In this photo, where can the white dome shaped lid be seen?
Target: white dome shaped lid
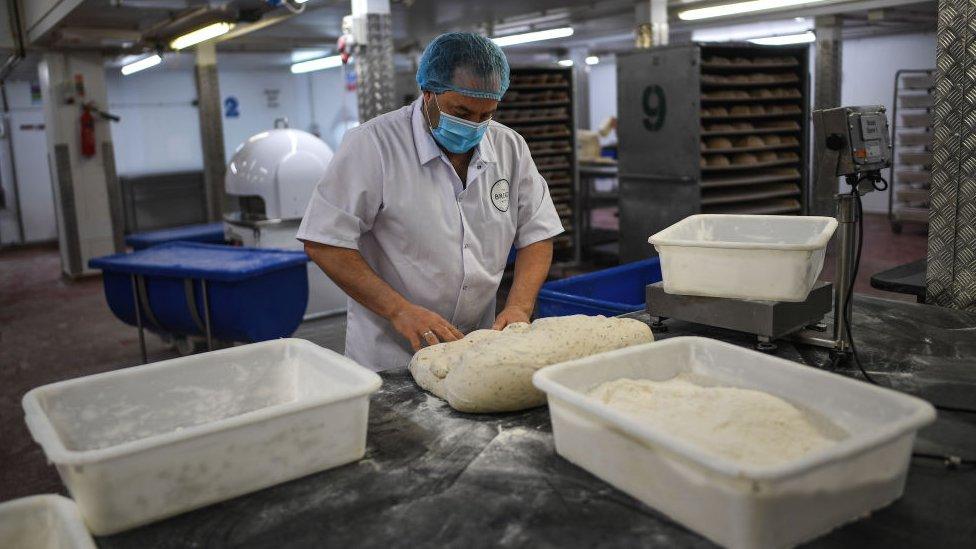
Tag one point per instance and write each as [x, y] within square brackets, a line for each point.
[282, 166]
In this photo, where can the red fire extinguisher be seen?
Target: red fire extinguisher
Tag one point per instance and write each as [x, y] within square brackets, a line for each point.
[87, 133]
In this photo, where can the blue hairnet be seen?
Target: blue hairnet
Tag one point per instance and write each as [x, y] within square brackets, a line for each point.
[463, 62]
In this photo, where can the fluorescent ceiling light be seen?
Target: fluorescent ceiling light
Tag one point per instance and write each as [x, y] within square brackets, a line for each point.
[536, 36]
[330, 62]
[201, 35]
[141, 64]
[304, 55]
[786, 39]
[739, 8]
[592, 60]
[565, 62]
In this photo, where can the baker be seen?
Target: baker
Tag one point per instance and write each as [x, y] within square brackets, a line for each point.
[419, 208]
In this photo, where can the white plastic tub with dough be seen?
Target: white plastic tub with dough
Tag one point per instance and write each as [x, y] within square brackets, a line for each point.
[140, 444]
[47, 521]
[734, 505]
[760, 257]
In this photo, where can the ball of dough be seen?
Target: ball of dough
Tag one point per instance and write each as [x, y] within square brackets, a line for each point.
[491, 371]
[750, 141]
[745, 159]
[740, 110]
[768, 156]
[772, 139]
[718, 160]
[718, 143]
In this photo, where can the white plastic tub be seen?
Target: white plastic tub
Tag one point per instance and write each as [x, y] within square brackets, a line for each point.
[733, 505]
[144, 443]
[47, 521]
[759, 257]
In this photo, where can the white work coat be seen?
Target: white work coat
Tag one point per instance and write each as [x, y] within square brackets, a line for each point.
[391, 193]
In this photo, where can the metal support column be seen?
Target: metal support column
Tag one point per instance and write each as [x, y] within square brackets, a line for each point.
[827, 81]
[375, 78]
[652, 24]
[211, 128]
[582, 96]
[951, 275]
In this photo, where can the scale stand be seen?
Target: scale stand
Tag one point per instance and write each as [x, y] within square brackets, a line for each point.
[852, 142]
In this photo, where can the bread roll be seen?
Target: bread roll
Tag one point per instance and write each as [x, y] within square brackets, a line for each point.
[743, 159]
[718, 160]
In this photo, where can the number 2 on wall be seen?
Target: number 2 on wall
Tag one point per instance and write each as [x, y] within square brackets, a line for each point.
[231, 107]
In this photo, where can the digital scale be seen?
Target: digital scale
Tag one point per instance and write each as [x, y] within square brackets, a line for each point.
[850, 142]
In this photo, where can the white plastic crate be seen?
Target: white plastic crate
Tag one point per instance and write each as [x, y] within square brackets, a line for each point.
[140, 444]
[47, 521]
[758, 257]
[734, 505]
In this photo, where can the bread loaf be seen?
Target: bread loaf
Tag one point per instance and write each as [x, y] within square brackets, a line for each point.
[491, 371]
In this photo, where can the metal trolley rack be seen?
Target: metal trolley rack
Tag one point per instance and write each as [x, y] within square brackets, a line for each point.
[539, 105]
[911, 173]
[709, 129]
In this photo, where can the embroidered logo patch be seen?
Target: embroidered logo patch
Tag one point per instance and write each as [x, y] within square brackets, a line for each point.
[499, 195]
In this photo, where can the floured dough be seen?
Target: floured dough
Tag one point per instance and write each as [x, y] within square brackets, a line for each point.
[491, 371]
[746, 426]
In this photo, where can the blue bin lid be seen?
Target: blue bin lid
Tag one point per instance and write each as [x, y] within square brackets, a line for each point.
[199, 260]
[207, 232]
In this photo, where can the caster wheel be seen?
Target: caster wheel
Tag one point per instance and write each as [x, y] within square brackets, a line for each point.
[187, 346]
[766, 347]
[896, 228]
[659, 327]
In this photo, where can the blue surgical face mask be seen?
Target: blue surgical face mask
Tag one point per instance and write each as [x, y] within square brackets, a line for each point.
[457, 134]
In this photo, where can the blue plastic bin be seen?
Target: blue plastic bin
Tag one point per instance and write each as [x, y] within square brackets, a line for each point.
[610, 292]
[207, 232]
[253, 294]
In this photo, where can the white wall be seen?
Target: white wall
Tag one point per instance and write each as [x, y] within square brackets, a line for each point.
[159, 130]
[869, 67]
[25, 131]
[603, 94]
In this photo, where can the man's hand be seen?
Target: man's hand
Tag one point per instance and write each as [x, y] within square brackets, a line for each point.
[509, 315]
[422, 326]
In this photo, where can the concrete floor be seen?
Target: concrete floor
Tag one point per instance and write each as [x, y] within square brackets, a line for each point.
[52, 329]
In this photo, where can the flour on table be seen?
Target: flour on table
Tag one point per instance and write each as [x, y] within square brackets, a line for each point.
[491, 371]
[746, 426]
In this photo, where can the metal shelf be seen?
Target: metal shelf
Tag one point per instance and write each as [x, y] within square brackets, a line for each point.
[738, 67]
[756, 166]
[712, 197]
[534, 87]
[765, 207]
[757, 131]
[520, 121]
[718, 183]
[735, 150]
[531, 104]
[744, 84]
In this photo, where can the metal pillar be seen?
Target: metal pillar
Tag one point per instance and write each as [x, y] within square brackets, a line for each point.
[652, 24]
[827, 81]
[951, 275]
[87, 201]
[211, 128]
[375, 78]
[582, 96]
